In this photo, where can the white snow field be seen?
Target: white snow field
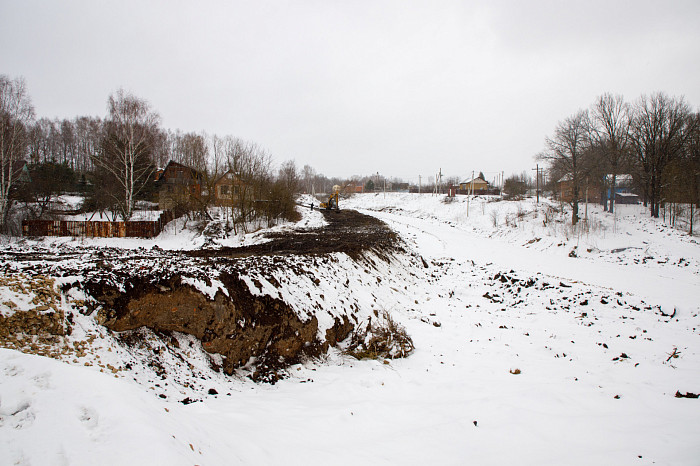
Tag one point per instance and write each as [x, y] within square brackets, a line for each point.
[524, 354]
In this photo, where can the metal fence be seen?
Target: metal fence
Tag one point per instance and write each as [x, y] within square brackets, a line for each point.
[97, 229]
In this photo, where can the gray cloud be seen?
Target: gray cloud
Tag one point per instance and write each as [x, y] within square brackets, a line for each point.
[403, 88]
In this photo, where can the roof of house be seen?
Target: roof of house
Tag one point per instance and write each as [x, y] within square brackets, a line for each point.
[476, 180]
[620, 178]
[161, 173]
[223, 175]
[566, 177]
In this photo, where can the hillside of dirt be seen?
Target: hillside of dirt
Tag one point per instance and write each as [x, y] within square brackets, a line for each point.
[235, 301]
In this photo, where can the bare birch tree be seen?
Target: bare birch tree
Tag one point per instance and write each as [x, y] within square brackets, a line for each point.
[308, 174]
[128, 141]
[16, 113]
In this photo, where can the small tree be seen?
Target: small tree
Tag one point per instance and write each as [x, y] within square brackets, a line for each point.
[515, 186]
[250, 165]
[48, 180]
[289, 176]
[566, 151]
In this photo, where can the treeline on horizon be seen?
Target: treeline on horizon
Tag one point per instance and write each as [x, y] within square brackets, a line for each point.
[113, 160]
[655, 139]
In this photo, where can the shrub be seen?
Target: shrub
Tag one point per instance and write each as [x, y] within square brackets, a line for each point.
[494, 217]
[383, 339]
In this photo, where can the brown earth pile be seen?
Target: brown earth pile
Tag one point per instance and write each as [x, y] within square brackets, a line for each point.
[145, 289]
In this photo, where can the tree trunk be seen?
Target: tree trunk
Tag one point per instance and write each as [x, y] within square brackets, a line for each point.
[574, 214]
[653, 200]
[612, 192]
[603, 197]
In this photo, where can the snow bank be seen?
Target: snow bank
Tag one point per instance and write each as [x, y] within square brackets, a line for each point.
[592, 335]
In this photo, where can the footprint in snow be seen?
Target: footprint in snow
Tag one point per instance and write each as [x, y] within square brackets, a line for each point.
[42, 380]
[12, 371]
[89, 417]
[19, 416]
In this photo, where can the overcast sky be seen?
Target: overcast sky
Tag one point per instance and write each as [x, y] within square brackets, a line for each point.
[356, 87]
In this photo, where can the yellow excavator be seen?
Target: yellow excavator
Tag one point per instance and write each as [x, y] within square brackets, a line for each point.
[332, 202]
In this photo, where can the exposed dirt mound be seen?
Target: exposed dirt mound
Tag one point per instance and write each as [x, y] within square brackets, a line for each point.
[348, 231]
[133, 289]
[235, 324]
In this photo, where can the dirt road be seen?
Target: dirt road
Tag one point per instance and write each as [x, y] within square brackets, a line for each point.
[348, 231]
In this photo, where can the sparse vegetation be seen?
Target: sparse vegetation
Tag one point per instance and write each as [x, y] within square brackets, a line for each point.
[494, 217]
[383, 339]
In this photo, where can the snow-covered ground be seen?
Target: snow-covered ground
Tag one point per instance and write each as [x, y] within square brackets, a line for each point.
[535, 344]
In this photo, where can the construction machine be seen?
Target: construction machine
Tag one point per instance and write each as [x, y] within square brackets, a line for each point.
[332, 202]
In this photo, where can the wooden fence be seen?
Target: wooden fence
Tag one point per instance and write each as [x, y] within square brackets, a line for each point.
[97, 229]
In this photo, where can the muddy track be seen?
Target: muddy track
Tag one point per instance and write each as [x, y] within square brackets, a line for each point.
[348, 231]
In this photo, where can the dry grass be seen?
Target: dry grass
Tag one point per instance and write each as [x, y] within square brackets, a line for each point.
[384, 339]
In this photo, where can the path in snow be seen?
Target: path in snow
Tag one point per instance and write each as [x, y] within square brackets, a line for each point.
[680, 286]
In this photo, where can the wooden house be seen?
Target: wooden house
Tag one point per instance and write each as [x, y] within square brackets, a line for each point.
[178, 185]
[587, 190]
[227, 189]
[478, 185]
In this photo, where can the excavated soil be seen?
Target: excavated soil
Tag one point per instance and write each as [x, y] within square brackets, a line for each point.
[133, 289]
[348, 231]
[237, 325]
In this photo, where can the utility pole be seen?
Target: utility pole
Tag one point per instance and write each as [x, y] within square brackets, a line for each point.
[537, 181]
[418, 184]
[503, 183]
[470, 192]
